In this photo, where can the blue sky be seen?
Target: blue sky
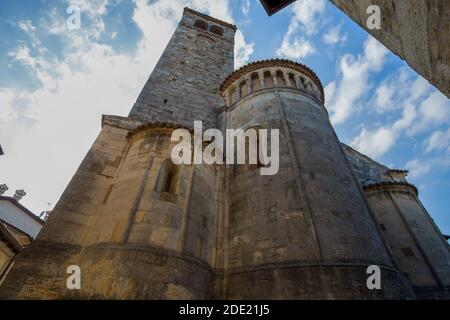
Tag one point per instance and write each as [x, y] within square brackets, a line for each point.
[55, 84]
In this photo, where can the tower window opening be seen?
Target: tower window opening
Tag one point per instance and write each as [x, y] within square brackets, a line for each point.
[268, 81]
[216, 30]
[256, 83]
[169, 183]
[233, 96]
[201, 24]
[408, 252]
[292, 80]
[165, 101]
[243, 87]
[280, 79]
[302, 80]
[168, 178]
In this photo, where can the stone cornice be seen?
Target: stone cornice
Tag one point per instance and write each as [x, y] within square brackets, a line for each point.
[215, 20]
[282, 63]
[159, 124]
[398, 171]
[392, 186]
[121, 122]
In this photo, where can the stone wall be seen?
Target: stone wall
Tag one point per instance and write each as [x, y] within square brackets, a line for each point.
[305, 233]
[416, 244]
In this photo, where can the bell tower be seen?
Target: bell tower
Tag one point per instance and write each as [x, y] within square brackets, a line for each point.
[183, 86]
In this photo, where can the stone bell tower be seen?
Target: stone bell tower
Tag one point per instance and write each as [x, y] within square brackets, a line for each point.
[183, 85]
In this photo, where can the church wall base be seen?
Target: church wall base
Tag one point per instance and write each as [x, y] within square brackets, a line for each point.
[315, 283]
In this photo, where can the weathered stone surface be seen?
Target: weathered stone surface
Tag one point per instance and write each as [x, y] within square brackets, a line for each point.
[414, 241]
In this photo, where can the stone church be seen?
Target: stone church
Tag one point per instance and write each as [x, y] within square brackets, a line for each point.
[140, 227]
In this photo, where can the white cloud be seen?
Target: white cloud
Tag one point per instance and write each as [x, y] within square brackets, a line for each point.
[6, 100]
[407, 119]
[400, 90]
[384, 96]
[330, 91]
[306, 14]
[53, 23]
[46, 141]
[333, 36]
[439, 140]
[418, 168]
[245, 7]
[297, 48]
[378, 142]
[434, 111]
[27, 26]
[305, 18]
[94, 11]
[242, 50]
[374, 143]
[41, 67]
[355, 73]
[422, 109]
[92, 8]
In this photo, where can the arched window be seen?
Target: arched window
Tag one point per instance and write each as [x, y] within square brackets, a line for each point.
[280, 79]
[232, 96]
[309, 88]
[201, 24]
[303, 81]
[217, 30]
[256, 83]
[292, 80]
[243, 87]
[168, 178]
[268, 81]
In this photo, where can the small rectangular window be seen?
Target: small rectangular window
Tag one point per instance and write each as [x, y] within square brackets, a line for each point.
[216, 30]
[408, 252]
[201, 24]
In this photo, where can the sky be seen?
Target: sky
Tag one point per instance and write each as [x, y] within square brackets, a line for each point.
[56, 83]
